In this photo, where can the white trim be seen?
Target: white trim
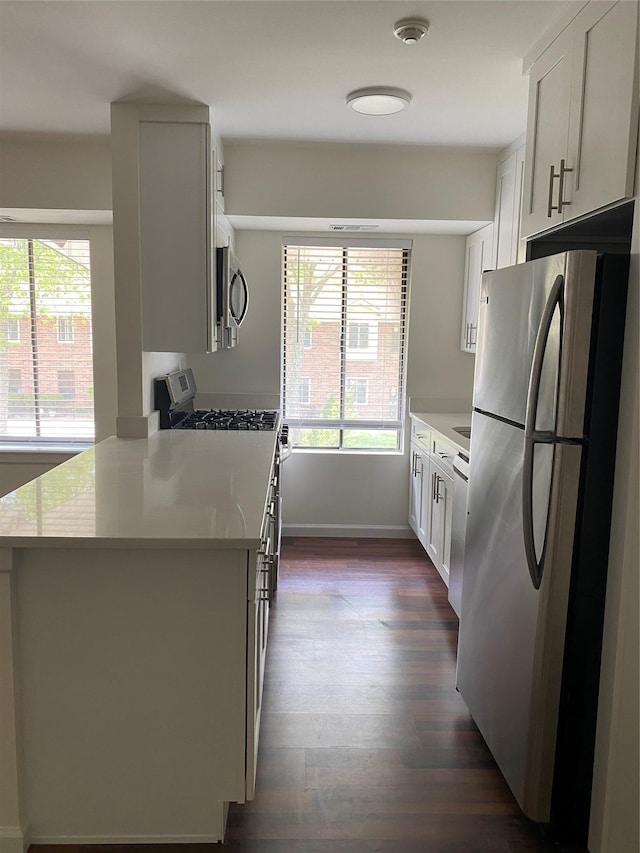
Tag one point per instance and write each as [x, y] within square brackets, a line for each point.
[126, 839]
[14, 839]
[347, 242]
[563, 20]
[363, 531]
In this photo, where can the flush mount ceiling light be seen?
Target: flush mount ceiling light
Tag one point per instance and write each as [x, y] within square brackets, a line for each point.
[411, 30]
[378, 100]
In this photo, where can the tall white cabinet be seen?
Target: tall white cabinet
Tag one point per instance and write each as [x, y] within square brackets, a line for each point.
[508, 249]
[479, 257]
[165, 190]
[583, 118]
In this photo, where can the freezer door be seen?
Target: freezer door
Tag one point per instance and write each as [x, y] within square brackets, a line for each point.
[511, 638]
[512, 301]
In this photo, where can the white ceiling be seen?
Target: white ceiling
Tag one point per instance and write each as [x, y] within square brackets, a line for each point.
[269, 69]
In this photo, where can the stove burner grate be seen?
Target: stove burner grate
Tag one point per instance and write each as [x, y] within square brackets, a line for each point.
[229, 419]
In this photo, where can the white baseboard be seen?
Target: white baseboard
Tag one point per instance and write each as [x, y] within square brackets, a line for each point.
[363, 531]
[125, 839]
[14, 839]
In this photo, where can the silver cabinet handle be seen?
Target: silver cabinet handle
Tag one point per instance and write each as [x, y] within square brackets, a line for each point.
[563, 171]
[552, 176]
[413, 464]
[472, 328]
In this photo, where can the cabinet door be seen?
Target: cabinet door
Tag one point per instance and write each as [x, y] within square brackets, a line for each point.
[520, 248]
[177, 222]
[415, 489]
[547, 134]
[479, 250]
[418, 505]
[257, 629]
[507, 218]
[439, 543]
[604, 107]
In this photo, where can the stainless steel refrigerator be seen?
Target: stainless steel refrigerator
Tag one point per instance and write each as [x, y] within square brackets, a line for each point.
[544, 425]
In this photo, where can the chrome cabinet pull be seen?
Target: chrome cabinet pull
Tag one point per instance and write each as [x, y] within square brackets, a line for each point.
[472, 328]
[552, 176]
[561, 202]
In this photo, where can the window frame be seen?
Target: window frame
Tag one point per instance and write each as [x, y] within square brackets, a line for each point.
[345, 426]
[10, 338]
[69, 334]
[355, 380]
[73, 442]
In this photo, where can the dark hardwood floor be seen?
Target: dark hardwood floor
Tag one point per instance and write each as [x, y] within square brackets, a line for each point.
[365, 745]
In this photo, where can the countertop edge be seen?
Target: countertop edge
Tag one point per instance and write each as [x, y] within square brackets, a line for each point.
[443, 423]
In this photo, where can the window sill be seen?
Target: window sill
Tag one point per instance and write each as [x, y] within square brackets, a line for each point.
[347, 451]
[13, 452]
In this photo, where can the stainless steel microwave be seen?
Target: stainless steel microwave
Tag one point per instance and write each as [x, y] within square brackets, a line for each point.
[232, 298]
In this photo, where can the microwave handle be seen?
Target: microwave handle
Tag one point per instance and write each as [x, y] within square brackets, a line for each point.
[239, 277]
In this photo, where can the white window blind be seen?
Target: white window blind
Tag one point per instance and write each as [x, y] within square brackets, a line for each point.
[46, 380]
[343, 359]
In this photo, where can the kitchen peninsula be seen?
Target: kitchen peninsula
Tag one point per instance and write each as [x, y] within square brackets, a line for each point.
[133, 622]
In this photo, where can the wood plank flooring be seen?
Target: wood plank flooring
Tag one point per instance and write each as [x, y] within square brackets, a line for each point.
[365, 745]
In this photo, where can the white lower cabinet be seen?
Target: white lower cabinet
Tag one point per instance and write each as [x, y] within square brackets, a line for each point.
[257, 629]
[418, 481]
[440, 507]
[431, 493]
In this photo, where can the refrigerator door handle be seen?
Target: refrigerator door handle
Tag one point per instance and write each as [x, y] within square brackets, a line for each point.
[533, 436]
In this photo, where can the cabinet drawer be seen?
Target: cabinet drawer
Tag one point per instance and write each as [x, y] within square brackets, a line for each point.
[443, 452]
[420, 435]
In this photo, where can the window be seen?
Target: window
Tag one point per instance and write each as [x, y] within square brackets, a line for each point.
[65, 330]
[362, 340]
[46, 393]
[354, 296]
[357, 390]
[305, 389]
[13, 330]
[66, 384]
[307, 339]
[15, 380]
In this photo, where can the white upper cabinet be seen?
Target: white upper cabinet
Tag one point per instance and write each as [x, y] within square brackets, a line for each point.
[583, 118]
[164, 170]
[479, 251]
[506, 224]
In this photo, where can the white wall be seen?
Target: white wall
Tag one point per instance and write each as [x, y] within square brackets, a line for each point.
[55, 174]
[348, 493]
[353, 181]
[615, 823]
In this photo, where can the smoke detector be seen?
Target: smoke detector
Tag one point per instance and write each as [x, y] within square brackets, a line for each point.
[411, 30]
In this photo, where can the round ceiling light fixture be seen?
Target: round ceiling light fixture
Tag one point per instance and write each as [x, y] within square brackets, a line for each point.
[378, 100]
[411, 30]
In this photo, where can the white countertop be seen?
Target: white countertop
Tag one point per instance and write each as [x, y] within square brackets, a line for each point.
[178, 488]
[443, 422]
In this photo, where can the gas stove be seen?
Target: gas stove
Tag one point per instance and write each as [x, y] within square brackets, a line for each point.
[174, 398]
[234, 419]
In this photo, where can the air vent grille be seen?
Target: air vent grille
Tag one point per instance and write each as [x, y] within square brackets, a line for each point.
[353, 227]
